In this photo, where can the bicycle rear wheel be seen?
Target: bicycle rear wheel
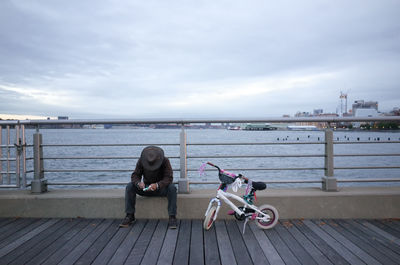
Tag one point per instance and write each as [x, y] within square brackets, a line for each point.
[209, 220]
[271, 221]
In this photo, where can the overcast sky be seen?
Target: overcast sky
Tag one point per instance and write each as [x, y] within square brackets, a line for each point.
[196, 59]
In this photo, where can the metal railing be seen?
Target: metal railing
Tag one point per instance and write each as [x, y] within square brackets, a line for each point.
[39, 183]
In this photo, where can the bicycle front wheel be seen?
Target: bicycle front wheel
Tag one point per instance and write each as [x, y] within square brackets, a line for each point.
[209, 220]
[267, 223]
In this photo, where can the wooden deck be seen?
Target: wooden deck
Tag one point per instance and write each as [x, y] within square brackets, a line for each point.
[84, 241]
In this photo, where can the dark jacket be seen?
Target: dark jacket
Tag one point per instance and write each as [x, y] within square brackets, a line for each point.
[162, 176]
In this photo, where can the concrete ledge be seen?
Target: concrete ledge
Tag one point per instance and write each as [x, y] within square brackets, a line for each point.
[355, 202]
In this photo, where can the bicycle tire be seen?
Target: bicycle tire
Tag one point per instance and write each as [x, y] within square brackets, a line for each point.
[209, 220]
[272, 212]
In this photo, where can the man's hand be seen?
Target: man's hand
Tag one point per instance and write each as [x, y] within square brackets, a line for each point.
[141, 185]
[153, 187]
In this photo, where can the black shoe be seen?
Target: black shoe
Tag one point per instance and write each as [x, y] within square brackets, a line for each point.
[172, 223]
[129, 219]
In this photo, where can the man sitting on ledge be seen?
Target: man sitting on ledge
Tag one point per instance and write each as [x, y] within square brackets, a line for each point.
[157, 181]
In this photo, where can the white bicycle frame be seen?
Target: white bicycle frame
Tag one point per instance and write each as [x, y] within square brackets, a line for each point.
[224, 196]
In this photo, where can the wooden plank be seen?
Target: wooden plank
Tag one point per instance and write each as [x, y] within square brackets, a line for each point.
[381, 232]
[369, 239]
[15, 244]
[28, 245]
[254, 249]
[5, 221]
[13, 227]
[327, 250]
[300, 253]
[318, 227]
[38, 244]
[196, 243]
[266, 245]
[168, 248]
[112, 246]
[385, 227]
[153, 251]
[93, 251]
[85, 244]
[224, 244]
[360, 242]
[182, 250]
[374, 237]
[138, 250]
[361, 254]
[125, 248]
[317, 255]
[281, 247]
[69, 246]
[78, 225]
[238, 246]
[12, 235]
[394, 224]
[12, 223]
[16, 229]
[211, 254]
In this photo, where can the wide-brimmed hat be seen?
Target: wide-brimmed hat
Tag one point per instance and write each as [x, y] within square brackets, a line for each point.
[152, 157]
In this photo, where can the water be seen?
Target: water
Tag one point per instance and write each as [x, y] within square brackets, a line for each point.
[171, 136]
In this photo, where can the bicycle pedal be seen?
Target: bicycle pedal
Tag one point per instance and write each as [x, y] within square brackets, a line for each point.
[231, 212]
[253, 216]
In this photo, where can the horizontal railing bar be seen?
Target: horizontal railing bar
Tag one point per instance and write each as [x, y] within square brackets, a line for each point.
[263, 169]
[5, 146]
[370, 180]
[7, 159]
[210, 156]
[8, 172]
[200, 144]
[264, 143]
[251, 156]
[87, 183]
[85, 145]
[99, 157]
[268, 182]
[186, 121]
[8, 186]
[91, 183]
[175, 182]
[92, 170]
[370, 167]
[367, 155]
[368, 142]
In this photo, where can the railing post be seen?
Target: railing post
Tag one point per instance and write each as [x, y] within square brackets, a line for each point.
[1, 154]
[17, 144]
[23, 157]
[329, 182]
[39, 184]
[183, 182]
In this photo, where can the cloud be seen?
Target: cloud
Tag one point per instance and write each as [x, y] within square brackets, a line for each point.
[123, 58]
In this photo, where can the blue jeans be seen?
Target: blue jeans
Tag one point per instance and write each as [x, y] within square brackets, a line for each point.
[131, 191]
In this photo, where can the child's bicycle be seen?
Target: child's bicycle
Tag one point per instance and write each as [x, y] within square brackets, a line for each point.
[266, 216]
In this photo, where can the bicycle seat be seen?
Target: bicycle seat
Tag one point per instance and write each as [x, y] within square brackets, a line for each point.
[259, 185]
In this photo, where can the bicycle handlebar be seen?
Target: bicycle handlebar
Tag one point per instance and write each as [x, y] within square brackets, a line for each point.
[220, 170]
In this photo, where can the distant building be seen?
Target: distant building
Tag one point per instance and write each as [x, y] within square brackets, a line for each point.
[302, 114]
[366, 113]
[317, 112]
[361, 104]
[364, 109]
[394, 112]
[62, 118]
